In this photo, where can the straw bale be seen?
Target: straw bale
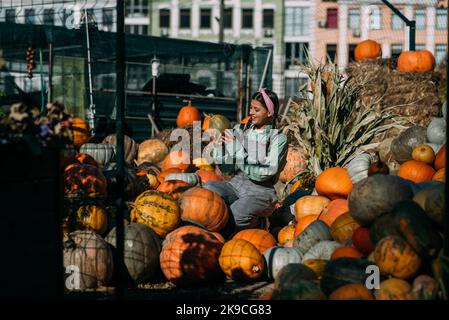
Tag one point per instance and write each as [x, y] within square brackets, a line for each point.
[414, 96]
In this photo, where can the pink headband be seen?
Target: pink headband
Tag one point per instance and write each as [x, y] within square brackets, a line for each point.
[267, 100]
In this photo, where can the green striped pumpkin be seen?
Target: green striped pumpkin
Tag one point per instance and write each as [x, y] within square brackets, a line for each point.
[156, 210]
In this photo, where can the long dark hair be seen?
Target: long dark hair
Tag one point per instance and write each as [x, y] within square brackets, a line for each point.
[274, 98]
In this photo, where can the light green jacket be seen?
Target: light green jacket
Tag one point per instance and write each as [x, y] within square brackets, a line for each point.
[250, 154]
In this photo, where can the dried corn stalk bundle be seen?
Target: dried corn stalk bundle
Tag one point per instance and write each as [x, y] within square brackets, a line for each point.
[331, 122]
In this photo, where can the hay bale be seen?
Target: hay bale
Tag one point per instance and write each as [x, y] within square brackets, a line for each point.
[414, 96]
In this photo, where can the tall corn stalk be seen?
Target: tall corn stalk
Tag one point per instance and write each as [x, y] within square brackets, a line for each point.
[330, 122]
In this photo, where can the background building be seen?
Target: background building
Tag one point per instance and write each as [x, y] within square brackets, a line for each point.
[291, 27]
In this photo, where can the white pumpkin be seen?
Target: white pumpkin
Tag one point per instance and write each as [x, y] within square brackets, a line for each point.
[191, 178]
[358, 167]
[278, 257]
[322, 250]
[315, 232]
[436, 131]
[104, 154]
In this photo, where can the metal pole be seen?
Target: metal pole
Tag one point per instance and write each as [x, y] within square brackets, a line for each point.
[50, 71]
[91, 113]
[120, 121]
[41, 69]
[219, 85]
[410, 23]
[412, 36]
[265, 69]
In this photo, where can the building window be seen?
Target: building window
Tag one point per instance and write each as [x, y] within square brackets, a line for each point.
[396, 50]
[440, 53]
[108, 15]
[164, 18]
[268, 18]
[296, 21]
[375, 21]
[292, 86]
[205, 18]
[354, 20]
[30, 16]
[295, 53]
[227, 18]
[331, 51]
[396, 22]
[332, 18]
[441, 22]
[144, 30]
[247, 18]
[48, 17]
[136, 7]
[351, 49]
[10, 15]
[184, 19]
[128, 28]
[420, 18]
[420, 46]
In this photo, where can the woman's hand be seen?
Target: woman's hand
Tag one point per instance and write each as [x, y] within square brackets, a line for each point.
[228, 136]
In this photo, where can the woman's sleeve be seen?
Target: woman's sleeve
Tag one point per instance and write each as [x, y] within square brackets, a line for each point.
[269, 166]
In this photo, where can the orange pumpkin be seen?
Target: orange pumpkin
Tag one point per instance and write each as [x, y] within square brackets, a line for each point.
[207, 176]
[393, 289]
[334, 183]
[261, 239]
[416, 61]
[219, 237]
[190, 256]
[424, 153]
[162, 175]
[286, 234]
[394, 256]
[304, 222]
[296, 162]
[176, 159]
[245, 120]
[353, 291]
[310, 205]
[343, 228]
[80, 158]
[80, 132]
[173, 187]
[367, 49]
[416, 171]
[440, 175]
[334, 209]
[240, 260]
[440, 158]
[187, 115]
[84, 180]
[204, 207]
[346, 252]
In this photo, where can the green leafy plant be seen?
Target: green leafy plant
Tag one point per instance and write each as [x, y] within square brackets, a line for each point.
[329, 120]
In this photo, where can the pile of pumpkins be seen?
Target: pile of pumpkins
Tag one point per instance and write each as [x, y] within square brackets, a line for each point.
[355, 220]
[408, 61]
